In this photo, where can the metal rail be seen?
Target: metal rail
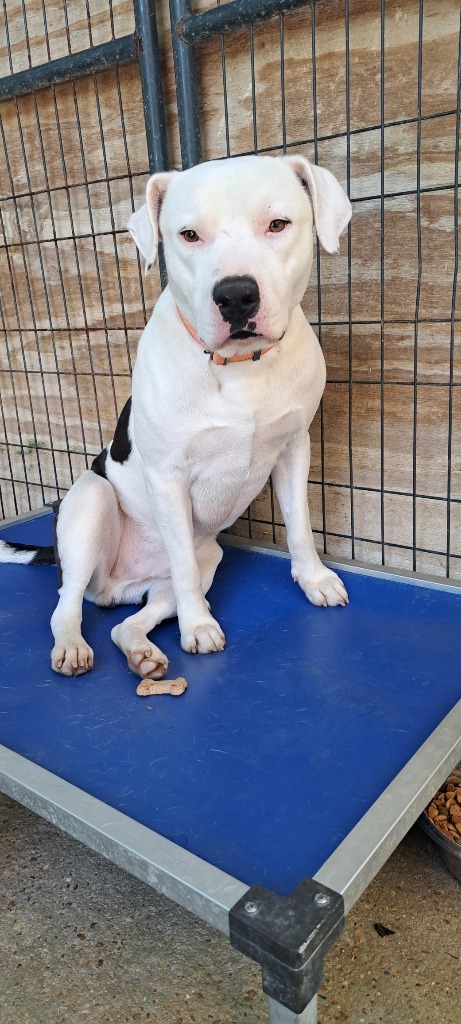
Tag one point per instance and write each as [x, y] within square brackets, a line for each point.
[74, 65]
[232, 16]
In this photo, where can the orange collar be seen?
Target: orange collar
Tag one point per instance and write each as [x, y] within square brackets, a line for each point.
[214, 356]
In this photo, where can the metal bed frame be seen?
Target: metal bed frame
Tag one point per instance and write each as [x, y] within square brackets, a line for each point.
[291, 965]
[255, 920]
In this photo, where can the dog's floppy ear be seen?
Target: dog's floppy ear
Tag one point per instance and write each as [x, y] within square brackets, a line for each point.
[330, 204]
[143, 224]
[140, 230]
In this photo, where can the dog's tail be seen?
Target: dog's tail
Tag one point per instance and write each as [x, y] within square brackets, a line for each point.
[26, 554]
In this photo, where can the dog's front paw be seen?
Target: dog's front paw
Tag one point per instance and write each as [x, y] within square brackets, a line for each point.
[322, 587]
[143, 657]
[147, 661]
[72, 656]
[203, 637]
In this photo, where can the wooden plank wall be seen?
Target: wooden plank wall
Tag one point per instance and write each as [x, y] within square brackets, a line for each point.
[386, 467]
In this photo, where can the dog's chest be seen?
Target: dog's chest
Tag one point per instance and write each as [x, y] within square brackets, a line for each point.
[232, 457]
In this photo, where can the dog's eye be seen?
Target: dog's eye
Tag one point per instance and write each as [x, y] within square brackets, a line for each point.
[278, 225]
[189, 235]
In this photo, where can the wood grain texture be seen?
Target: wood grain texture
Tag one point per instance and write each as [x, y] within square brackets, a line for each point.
[74, 298]
[68, 29]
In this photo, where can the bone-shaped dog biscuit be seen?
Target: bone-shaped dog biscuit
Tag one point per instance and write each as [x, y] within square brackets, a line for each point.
[153, 686]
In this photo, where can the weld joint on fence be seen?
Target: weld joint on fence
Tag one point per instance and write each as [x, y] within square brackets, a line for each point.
[181, 29]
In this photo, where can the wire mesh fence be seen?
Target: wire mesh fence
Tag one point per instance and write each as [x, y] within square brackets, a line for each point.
[370, 90]
[73, 165]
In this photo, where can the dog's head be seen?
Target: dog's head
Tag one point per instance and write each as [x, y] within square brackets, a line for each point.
[237, 238]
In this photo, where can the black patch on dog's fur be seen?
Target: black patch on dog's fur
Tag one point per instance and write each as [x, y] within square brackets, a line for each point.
[121, 445]
[99, 463]
[43, 555]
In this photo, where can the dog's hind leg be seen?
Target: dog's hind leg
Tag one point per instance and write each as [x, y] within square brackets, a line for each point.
[88, 535]
[130, 636]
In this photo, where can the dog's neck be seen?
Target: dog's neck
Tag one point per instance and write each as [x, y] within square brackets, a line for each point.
[214, 356]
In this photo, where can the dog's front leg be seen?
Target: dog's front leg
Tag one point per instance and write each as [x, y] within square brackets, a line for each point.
[171, 503]
[321, 585]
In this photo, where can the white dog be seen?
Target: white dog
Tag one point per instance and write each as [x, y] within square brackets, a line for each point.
[228, 377]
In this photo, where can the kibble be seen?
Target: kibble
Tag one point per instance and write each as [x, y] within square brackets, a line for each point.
[445, 809]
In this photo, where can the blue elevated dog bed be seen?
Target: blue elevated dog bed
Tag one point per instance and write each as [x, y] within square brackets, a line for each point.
[305, 750]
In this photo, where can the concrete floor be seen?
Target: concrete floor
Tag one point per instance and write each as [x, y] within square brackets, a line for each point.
[81, 941]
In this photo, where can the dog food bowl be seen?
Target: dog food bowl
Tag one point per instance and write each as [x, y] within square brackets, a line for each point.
[449, 851]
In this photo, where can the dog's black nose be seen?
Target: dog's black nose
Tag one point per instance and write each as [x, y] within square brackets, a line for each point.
[238, 299]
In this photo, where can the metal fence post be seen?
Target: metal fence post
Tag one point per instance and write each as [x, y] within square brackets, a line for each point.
[151, 81]
[152, 97]
[186, 87]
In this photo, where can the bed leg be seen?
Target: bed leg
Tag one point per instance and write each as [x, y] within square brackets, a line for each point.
[278, 1014]
[289, 937]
